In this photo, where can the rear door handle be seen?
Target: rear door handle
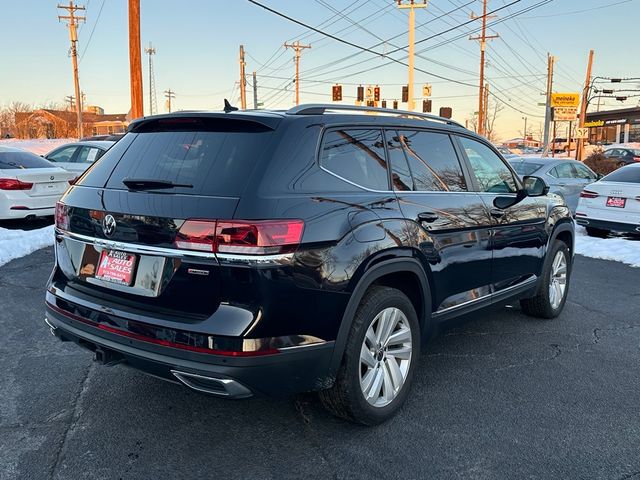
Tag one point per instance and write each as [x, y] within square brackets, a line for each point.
[496, 213]
[427, 217]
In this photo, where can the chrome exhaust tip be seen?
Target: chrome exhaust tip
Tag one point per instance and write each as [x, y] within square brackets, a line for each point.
[222, 387]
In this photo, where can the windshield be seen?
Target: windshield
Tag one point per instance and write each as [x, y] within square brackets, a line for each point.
[525, 168]
[22, 160]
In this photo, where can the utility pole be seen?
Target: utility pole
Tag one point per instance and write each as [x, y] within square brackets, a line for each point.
[524, 134]
[243, 81]
[483, 37]
[255, 91]
[153, 101]
[135, 60]
[297, 47]
[71, 100]
[411, 6]
[168, 94]
[547, 113]
[73, 20]
[486, 103]
[583, 106]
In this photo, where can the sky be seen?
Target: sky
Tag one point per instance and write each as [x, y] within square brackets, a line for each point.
[197, 43]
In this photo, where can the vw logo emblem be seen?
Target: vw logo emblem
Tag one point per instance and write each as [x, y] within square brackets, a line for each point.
[109, 225]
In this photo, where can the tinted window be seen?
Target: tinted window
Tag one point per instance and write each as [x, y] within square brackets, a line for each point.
[433, 162]
[204, 162]
[401, 178]
[88, 155]
[356, 156]
[525, 168]
[584, 172]
[625, 175]
[20, 160]
[564, 170]
[490, 171]
[62, 155]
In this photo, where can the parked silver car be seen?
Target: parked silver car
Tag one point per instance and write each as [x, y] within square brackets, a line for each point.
[76, 157]
[565, 177]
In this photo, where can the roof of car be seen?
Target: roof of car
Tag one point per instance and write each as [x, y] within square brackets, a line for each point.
[547, 160]
[103, 144]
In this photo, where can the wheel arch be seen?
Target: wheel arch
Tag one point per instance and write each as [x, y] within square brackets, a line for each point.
[384, 273]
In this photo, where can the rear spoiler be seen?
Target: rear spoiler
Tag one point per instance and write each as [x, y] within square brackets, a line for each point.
[207, 121]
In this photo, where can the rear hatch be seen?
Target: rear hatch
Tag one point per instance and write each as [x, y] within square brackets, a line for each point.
[124, 215]
[46, 181]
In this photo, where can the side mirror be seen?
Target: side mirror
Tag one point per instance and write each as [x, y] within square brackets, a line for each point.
[535, 186]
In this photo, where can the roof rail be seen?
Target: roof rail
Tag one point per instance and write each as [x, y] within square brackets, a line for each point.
[321, 108]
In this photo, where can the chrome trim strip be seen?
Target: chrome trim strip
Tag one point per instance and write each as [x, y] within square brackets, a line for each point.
[489, 295]
[254, 260]
[232, 388]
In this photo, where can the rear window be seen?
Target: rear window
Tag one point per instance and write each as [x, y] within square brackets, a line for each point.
[216, 163]
[22, 160]
[625, 175]
[525, 168]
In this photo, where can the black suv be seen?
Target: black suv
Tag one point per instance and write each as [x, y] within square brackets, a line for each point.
[314, 249]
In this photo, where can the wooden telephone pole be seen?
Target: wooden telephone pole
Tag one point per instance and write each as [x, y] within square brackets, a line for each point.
[243, 81]
[483, 37]
[298, 48]
[169, 95]
[411, 102]
[73, 20]
[583, 107]
[547, 114]
[135, 59]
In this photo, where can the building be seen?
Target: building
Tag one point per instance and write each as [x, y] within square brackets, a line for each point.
[46, 123]
[520, 142]
[614, 126]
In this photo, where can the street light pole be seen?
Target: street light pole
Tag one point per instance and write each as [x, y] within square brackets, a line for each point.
[524, 135]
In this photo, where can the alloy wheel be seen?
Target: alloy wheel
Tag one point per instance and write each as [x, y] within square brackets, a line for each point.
[558, 280]
[385, 357]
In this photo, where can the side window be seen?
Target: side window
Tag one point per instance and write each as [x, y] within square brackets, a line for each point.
[490, 171]
[554, 173]
[432, 161]
[583, 172]
[62, 155]
[401, 179]
[356, 156]
[565, 170]
[88, 155]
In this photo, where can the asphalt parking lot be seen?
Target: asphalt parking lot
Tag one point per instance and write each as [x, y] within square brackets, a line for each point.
[501, 396]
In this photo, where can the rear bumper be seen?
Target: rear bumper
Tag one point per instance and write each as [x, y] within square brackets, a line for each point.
[290, 371]
[607, 225]
[17, 204]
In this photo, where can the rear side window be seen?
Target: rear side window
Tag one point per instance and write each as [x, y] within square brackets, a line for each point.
[564, 170]
[432, 161]
[22, 160]
[356, 156]
[625, 175]
[216, 163]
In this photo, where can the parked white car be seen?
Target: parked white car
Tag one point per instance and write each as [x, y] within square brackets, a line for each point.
[77, 157]
[30, 186]
[612, 203]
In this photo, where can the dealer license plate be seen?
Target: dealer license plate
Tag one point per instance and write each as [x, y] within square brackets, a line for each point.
[617, 202]
[116, 267]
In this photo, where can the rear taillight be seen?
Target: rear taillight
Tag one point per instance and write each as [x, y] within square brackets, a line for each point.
[588, 194]
[13, 184]
[197, 235]
[264, 237]
[636, 159]
[62, 216]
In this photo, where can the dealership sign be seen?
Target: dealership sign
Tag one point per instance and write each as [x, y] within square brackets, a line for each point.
[565, 99]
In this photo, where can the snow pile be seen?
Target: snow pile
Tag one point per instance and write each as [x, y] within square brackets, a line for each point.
[619, 249]
[39, 146]
[18, 243]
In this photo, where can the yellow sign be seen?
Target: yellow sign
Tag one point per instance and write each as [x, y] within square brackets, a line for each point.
[565, 114]
[565, 99]
[594, 123]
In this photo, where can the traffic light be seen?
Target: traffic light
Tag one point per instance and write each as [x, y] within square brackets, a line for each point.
[337, 93]
[426, 106]
[361, 93]
[376, 94]
[405, 93]
[395, 104]
[446, 112]
[384, 104]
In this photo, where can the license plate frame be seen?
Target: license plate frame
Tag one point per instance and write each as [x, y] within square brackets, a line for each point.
[116, 266]
[616, 202]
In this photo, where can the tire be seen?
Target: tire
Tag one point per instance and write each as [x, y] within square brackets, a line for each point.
[597, 232]
[545, 303]
[346, 399]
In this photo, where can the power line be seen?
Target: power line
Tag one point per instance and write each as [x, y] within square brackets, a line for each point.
[93, 29]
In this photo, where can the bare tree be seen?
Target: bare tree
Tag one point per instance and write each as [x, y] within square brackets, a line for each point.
[492, 111]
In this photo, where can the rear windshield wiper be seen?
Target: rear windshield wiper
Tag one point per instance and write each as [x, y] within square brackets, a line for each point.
[144, 184]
